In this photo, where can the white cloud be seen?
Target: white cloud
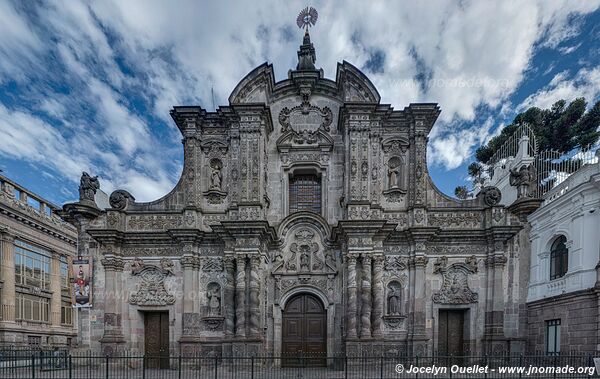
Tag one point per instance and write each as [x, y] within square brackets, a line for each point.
[117, 57]
[585, 83]
[452, 149]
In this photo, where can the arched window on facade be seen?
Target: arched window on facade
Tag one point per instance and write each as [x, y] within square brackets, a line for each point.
[305, 193]
[559, 258]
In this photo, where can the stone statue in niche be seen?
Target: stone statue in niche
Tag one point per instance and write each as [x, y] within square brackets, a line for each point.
[214, 299]
[394, 173]
[216, 178]
[393, 298]
[304, 260]
[88, 186]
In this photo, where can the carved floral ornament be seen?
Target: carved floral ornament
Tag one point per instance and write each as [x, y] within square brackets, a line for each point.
[455, 287]
[151, 290]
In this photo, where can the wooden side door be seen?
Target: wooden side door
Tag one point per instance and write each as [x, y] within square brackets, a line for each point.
[156, 339]
[451, 332]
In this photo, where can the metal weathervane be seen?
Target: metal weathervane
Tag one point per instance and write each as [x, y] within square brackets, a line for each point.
[307, 18]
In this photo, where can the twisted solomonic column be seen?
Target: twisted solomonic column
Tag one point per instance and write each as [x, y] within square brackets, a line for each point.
[378, 295]
[254, 295]
[229, 263]
[351, 305]
[365, 297]
[240, 296]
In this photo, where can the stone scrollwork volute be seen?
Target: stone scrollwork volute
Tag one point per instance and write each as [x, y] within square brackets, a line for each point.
[119, 199]
[491, 196]
[455, 286]
[151, 290]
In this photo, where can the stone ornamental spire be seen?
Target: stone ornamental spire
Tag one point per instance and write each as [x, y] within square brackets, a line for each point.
[306, 54]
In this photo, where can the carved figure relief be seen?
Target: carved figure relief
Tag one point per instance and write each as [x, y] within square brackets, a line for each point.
[393, 298]
[151, 290]
[216, 177]
[214, 299]
[304, 254]
[394, 173]
[215, 193]
[455, 287]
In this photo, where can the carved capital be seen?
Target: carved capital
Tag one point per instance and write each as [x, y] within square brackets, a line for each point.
[188, 262]
[113, 263]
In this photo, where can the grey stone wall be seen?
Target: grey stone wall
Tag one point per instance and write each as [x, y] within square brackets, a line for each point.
[578, 314]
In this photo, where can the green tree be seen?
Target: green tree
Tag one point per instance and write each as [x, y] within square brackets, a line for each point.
[562, 127]
[461, 192]
[586, 129]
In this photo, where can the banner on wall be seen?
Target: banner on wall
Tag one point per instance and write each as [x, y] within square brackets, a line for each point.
[81, 280]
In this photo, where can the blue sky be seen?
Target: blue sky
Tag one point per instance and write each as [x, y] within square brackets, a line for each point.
[87, 86]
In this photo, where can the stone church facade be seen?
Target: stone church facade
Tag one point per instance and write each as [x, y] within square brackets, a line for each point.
[305, 220]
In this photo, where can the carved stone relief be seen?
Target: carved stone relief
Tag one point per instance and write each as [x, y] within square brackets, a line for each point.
[455, 287]
[151, 290]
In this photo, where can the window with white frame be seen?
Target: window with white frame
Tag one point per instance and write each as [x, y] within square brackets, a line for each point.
[559, 258]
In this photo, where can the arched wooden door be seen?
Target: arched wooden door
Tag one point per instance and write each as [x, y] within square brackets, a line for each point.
[304, 328]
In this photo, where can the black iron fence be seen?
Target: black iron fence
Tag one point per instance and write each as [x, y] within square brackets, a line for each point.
[63, 365]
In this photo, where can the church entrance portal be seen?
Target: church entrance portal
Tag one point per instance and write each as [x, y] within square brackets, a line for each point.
[304, 330]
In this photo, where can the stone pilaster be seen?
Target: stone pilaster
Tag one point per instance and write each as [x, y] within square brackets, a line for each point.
[378, 295]
[419, 263]
[55, 287]
[351, 300]
[240, 296]
[113, 268]
[254, 296]
[366, 301]
[494, 315]
[8, 276]
[188, 263]
[229, 295]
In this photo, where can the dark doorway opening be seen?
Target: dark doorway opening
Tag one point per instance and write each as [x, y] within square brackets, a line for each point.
[451, 333]
[156, 339]
[304, 335]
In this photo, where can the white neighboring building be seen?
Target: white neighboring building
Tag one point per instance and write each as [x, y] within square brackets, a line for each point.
[563, 300]
[563, 294]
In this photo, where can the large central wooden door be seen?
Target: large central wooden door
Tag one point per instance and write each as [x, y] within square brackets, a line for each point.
[156, 339]
[451, 331]
[304, 330]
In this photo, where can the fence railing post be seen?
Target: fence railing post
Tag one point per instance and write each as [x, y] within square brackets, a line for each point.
[144, 366]
[32, 366]
[216, 367]
[381, 368]
[70, 367]
[106, 367]
[521, 365]
[180, 361]
[252, 367]
[346, 366]
[417, 365]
